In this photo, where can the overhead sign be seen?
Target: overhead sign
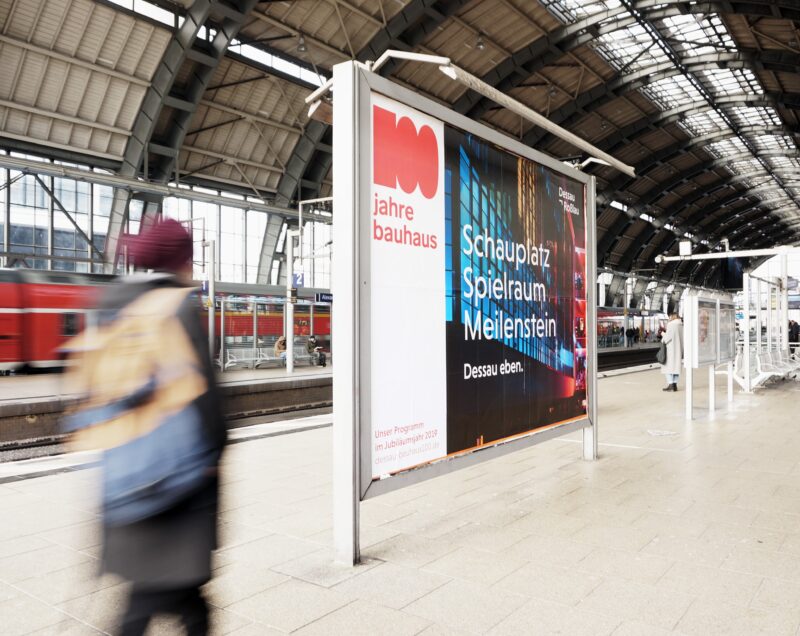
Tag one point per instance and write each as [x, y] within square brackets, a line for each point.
[478, 286]
[322, 297]
[297, 279]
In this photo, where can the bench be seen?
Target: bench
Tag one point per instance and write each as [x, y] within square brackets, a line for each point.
[301, 353]
[245, 356]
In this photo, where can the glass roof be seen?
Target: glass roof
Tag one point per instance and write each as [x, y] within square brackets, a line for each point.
[632, 48]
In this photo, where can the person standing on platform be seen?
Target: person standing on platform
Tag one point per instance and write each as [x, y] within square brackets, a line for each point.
[673, 339]
[151, 402]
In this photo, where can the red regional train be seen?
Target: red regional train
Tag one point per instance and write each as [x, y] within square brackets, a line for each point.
[40, 310]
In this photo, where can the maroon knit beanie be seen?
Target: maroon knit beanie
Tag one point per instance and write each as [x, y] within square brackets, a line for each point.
[165, 247]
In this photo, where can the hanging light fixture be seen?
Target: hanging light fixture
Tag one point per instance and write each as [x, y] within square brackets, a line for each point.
[301, 44]
[480, 44]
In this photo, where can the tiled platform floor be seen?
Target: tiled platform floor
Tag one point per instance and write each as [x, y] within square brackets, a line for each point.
[680, 527]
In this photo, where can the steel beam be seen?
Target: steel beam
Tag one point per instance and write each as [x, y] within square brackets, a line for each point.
[184, 48]
[599, 96]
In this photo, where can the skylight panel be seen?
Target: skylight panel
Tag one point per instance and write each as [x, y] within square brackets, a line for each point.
[569, 11]
[630, 49]
[693, 35]
[151, 10]
[726, 81]
[774, 142]
[726, 148]
[671, 92]
[785, 164]
[755, 116]
[703, 123]
[747, 166]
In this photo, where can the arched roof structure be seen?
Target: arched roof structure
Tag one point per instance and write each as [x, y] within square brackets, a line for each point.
[703, 98]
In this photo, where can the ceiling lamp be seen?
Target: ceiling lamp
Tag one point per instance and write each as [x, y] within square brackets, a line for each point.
[301, 44]
[480, 44]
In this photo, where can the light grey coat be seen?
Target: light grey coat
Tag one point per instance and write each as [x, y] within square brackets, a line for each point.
[673, 338]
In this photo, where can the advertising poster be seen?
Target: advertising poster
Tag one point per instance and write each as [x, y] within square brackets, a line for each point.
[727, 332]
[478, 292]
[706, 332]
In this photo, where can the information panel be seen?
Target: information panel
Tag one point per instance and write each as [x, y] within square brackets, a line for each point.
[727, 332]
[477, 291]
[707, 343]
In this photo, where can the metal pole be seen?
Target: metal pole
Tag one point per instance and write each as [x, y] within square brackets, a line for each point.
[712, 389]
[222, 331]
[590, 438]
[300, 241]
[784, 294]
[758, 316]
[730, 381]
[346, 319]
[769, 251]
[769, 318]
[481, 87]
[746, 326]
[212, 301]
[255, 331]
[289, 305]
[689, 312]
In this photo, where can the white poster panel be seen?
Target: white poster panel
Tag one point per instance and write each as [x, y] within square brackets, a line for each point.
[706, 332]
[407, 349]
[727, 332]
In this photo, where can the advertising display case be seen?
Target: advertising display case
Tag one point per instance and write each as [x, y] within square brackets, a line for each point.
[471, 287]
[727, 331]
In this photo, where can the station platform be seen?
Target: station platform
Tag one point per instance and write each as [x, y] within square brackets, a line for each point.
[680, 527]
[30, 405]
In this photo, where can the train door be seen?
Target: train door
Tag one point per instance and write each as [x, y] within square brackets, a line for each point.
[11, 315]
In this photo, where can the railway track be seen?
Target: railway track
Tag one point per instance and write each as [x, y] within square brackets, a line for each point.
[622, 358]
[55, 444]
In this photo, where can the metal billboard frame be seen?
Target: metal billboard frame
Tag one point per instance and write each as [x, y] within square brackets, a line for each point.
[353, 85]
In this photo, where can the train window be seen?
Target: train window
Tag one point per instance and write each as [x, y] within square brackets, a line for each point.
[69, 324]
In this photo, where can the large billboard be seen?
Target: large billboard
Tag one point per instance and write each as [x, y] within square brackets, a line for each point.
[477, 291]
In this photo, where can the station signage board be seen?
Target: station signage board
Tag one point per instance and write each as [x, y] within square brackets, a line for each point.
[710, 331]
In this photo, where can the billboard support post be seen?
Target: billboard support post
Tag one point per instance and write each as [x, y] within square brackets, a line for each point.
[784, 304]
[712, 389]
[689, 354]
[730, 381]
[746, 326]
[345, 320]
[590, 432]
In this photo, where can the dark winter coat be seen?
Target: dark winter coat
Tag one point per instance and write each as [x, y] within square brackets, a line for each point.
[173, 549]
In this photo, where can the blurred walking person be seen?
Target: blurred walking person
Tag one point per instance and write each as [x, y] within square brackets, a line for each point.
[150, 401]
[673, 339]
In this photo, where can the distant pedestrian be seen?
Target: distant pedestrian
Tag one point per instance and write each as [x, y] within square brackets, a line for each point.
[673, 339]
